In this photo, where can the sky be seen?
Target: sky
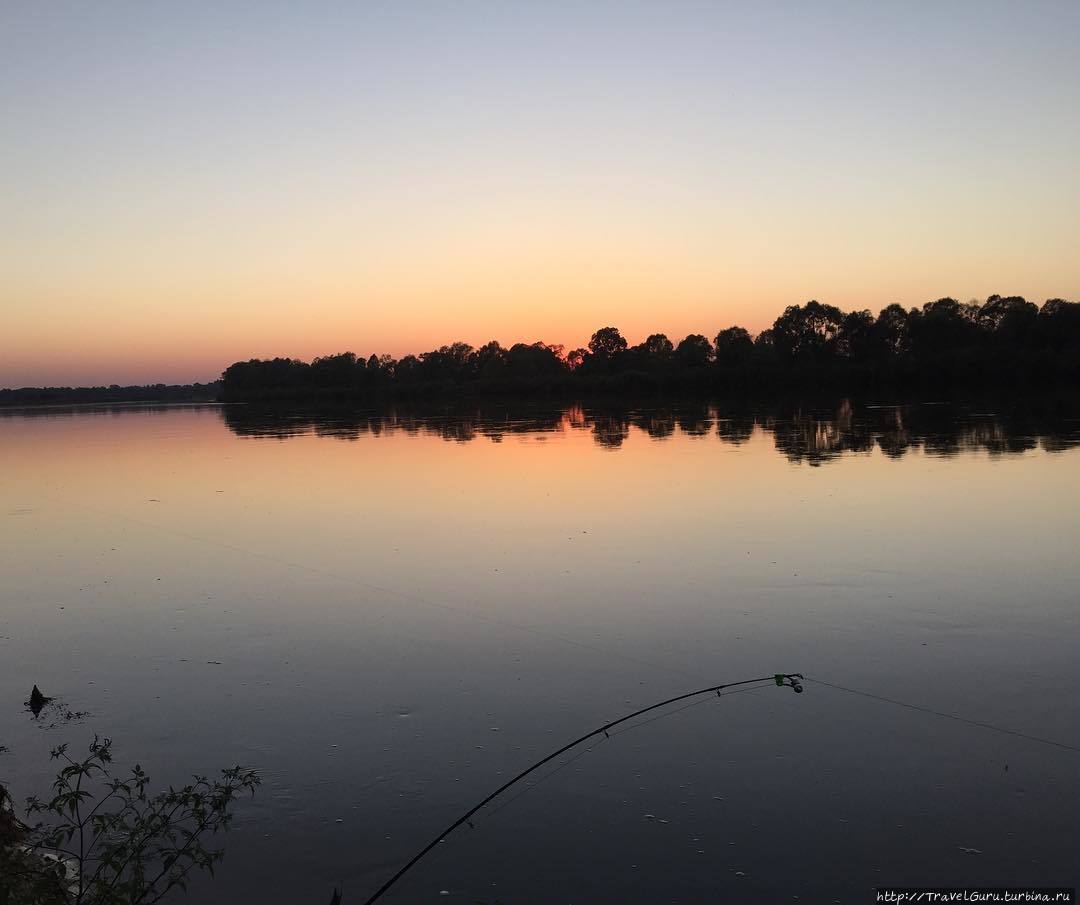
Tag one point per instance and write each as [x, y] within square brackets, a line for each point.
[185, 185]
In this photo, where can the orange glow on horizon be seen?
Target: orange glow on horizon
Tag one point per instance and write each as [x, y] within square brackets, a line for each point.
[535, 174]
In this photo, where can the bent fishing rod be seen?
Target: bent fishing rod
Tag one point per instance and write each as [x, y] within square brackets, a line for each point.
[784, 680]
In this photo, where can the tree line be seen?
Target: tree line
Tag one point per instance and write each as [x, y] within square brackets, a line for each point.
[1005, 340]
[102, 395]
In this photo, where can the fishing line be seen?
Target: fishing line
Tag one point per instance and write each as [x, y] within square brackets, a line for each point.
[786, 680]
[405, 595]
[416, 598]
[792, 680]
[949, 716]
[530, 786]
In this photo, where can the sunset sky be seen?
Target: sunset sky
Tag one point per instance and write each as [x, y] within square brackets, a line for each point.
[188, 184]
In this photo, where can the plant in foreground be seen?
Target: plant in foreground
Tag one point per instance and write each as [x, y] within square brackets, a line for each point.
[121, 846]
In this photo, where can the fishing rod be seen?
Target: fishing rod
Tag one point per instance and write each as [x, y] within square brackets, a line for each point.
[784, 680]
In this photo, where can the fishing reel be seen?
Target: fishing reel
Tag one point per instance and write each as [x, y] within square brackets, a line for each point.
[790, 680]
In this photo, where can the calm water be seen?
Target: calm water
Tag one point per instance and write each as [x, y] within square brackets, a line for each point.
[389, 615]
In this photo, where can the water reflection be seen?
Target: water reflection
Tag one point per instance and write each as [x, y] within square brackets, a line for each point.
[355, 603]
[108, 410]
[813, 434]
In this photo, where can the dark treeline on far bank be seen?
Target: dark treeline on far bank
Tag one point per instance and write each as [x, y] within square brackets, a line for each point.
[156, 392]
[1004, 341]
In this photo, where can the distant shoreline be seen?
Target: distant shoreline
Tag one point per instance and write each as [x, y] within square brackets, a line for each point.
[75, 407]
[1005, 343]
[45, 397]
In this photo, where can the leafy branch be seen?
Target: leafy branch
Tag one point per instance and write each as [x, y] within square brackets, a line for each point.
[120, 846]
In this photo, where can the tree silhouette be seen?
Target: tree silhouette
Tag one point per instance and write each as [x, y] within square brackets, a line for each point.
[575, 358]
[694, 352]
[489, 361]
[535, 360]
[857, 339]
[657, 346]
[807, 332]
[1005, 340]
[606, 343]
[892, 331]
[734, 347]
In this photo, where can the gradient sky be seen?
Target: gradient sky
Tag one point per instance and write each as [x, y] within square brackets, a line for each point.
[188, 184]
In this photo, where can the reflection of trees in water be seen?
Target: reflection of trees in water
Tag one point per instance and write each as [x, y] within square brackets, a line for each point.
[735, 430]
[1056, 444]
[697, 422]
[803, 434]
[936, 430]
[351, 429]
[817, 437]
[460, 426]
[610, 430]
[659, 425]
[895, 439]
[995, 439]
[103, 410]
